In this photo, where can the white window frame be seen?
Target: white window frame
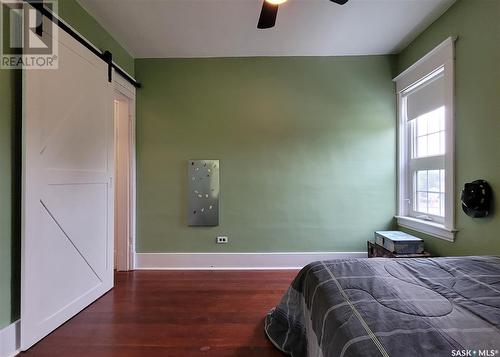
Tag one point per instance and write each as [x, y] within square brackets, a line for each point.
[443, 56]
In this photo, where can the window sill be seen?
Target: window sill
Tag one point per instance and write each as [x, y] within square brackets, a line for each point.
[431, 228]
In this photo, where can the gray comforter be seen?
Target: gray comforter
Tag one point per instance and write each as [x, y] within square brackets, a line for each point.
[391, 307]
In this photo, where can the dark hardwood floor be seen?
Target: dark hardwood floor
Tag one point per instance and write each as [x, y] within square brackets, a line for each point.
[174, 313]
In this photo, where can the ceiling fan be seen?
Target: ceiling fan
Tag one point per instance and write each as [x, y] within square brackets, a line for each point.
[269, 12]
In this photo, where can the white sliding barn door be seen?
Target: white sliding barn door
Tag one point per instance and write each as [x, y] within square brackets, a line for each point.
[67, 247]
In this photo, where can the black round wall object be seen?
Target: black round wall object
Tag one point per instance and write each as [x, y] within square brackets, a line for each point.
[476, 198]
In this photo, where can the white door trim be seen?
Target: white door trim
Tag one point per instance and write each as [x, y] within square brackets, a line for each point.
[235, 261]
[127, 91]
[10, 340]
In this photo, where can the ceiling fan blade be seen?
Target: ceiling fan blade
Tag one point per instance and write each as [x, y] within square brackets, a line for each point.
[340, 2]
[268, 15]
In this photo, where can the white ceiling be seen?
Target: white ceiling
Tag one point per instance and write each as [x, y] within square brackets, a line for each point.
[228, 28]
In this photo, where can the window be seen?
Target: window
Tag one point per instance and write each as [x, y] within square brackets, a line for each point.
[423, 112]
[426, 142]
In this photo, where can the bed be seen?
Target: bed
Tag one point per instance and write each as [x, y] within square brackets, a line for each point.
[391, 307]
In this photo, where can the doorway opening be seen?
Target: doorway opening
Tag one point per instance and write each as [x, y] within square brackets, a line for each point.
[124, 218]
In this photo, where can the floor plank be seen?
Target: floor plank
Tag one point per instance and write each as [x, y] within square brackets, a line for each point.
[174, 313]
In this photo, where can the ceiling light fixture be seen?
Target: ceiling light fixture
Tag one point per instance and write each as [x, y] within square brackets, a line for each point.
[269, 12]
[276, 2]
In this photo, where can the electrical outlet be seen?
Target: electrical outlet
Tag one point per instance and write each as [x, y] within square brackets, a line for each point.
[222, 240]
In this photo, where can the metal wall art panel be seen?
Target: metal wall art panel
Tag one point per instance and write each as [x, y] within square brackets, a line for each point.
[203, 192]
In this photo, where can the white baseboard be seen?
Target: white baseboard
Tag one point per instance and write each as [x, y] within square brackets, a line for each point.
[9, 340]
[234, 261]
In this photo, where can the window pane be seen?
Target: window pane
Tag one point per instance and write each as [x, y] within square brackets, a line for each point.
[421, 180]
[434, 123]
[422, 146]
[433, 202]
[433, 145]
[428, 134]
[422, 125]
[422, 202]
[433, 180]
[429, 192]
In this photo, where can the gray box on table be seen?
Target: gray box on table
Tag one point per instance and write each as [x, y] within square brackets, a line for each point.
[399, 242]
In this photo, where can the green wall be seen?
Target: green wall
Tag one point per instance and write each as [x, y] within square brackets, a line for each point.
[71, 12]
[477, 113]
[10, 118]
[306, 144]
